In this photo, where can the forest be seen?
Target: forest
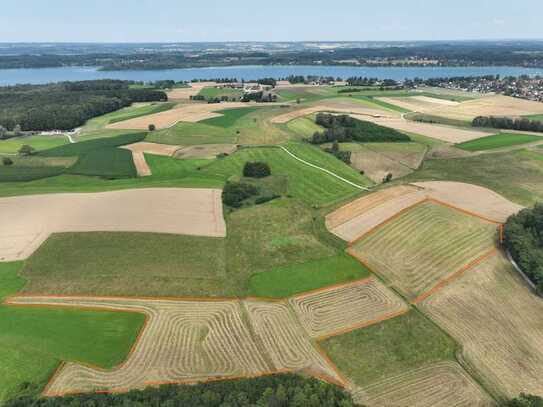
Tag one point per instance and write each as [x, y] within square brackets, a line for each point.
[269, 391]
[524, 240]
[508, 123]
[344, 129]
[67, 105]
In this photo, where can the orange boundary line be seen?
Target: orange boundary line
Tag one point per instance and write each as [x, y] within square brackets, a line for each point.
[393, 217]
[467, 212]
[444, 282]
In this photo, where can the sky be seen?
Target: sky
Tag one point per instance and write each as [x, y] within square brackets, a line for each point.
[275, 20]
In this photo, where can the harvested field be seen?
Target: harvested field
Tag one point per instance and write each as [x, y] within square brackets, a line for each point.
[26, 221]
[443, 384]
[498, 321]
[418, 103]
[490, 106]
[186, 93]
[153, 148]
[285, 340]
[205, 151]
[443, 133]
[192, 112]
[364, 214]
[183, 341]
[345, 308]
[359, 217]
[441, 242]
[142, 168]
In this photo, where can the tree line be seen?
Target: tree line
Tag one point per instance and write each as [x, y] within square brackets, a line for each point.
[508, 123]
[67, 105]
[286, 390]
[524, 240]
[345, 129]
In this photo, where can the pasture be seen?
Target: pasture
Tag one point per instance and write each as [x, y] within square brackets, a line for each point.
[102, 338]
[229, 116]
[498, 141]
[214, 92]
[38, 143]
[442, 241]
[32, 168]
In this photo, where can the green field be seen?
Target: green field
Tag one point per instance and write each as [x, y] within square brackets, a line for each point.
[229, 116]
[428, 118]
[33, 341]
[304, 127]
[260, 239]
[535, 117]
[500, 140]
[38, 143]
[392, 347]
[298, 278]
[33, 168]
[109, 162]
[213, 92]
[84, 147]
[376, 103]
[188, 134]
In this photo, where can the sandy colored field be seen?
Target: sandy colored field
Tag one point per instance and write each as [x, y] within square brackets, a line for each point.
[444, 384]
[182, 341]
[418, 103]
[379, 159]
[26, 221]
[333, 105]
[499, 323]
[424, 246]
[443, 133]
[190, 112]
[141, 165]
[342, 309]
[186, 93]
[360, 216]
[152, 148]
[205, 151]
[489, 106]
[285, 341]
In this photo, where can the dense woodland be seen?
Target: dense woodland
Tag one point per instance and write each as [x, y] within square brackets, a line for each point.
[67, 105]
[272, 391]
[345, 129]
[508, 123]
[524, 240]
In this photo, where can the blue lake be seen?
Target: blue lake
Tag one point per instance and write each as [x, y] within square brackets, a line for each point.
[46, 75]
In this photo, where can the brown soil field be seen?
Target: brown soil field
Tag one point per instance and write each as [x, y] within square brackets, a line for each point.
[285, 340]
[362, 215]
[27, 221]
[140, 163]
[342, 309]
[153, 148]
[186, 93]
[444, 133]
[205, 151]
[490, 106]
[182, 341]
[190, 112]
[498, 321]
[443, 384]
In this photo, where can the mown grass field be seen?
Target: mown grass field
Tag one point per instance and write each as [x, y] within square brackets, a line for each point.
[389, 348]
[294, 279]
[33, 341]
[188, 134]
[376, 103]
[38, 143]
[229, 117]
[213, 92]
[500, 140]
[109, 162]
[441, 242]
[304, 127]
[31, 168]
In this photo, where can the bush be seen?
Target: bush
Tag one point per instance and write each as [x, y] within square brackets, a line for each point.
[234, 193]
[526, 400]
[7, 161]
[26, 150]
[263, 199]
[256, 170]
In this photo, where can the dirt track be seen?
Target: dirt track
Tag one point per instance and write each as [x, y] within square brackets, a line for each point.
[26, 221]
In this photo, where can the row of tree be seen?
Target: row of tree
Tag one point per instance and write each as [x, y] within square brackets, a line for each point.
[508, 123]
[67, 105]
[344, 128]
[524, 240]
[365, 81]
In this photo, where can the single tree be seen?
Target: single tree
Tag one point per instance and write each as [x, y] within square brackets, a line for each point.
[26, 150]
[152, 127]
[7, 161]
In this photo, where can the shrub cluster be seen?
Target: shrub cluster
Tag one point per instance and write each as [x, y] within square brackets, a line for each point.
[67, 105]
[508, 123]
[256, 169]
[525, 400]
[278, 391]
[234, 193]
[344, 156]
[524, 240]
[347, 129]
